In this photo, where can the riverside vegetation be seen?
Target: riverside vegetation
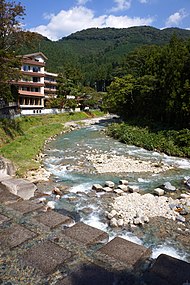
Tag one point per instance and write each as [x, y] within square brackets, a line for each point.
[171, 142]
[23, 138]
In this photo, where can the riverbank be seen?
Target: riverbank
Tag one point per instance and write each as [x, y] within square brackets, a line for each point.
[171, 142]
[22, 139]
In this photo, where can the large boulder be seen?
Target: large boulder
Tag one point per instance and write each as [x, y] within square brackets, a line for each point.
[19, 187]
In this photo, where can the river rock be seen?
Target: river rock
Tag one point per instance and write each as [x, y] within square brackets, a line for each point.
[120, 222]
[158, 191]
[123, 182]
[187, 181]
[113, 222]
[118, 191]
[57, 191]
[169, 187]
[179, 218]
[133, 189]
[110, 184]
[123, 187]
[137, 221]
[183, 195]
[107, 189]
[112, 214]
[135, 208]
[97, 187]
[185, 211]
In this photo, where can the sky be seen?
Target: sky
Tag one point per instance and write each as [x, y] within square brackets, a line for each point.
[59, 18]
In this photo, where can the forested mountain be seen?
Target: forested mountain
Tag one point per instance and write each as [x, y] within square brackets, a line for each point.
[99, 54]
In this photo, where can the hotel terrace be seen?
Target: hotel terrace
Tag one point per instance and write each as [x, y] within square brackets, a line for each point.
[36, 85]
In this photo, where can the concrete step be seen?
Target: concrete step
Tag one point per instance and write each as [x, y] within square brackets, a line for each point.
[168, 270]
[127, 252]
[14, 235]
[46, 256]
[25, 207]
[86, 235]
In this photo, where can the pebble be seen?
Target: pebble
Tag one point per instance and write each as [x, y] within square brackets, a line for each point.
[137, 209]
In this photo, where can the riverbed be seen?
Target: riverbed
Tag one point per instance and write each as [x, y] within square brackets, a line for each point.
[82, 157]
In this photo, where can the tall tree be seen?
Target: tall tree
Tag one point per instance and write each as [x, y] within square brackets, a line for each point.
[11, 15]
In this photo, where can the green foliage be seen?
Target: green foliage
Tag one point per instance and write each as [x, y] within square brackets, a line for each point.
[160, 87]
[171, 142]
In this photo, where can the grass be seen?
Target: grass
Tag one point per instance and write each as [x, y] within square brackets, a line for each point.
[23, 138]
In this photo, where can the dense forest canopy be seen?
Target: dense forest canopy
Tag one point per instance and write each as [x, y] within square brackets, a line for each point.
[99, 54]
[156, 85]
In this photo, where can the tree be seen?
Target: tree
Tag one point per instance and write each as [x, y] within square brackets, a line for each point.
[120, 98]
[10, 36]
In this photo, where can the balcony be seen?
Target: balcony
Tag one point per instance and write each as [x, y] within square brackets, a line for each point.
[31, 73]
[29, 93]
[30, 83]
[50, 82]
[34, 63]
[49, 90]
[31, 106]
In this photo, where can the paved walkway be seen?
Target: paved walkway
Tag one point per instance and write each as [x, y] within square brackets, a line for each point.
[47, 248]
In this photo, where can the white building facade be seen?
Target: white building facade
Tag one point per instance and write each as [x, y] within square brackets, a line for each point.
[36, 84]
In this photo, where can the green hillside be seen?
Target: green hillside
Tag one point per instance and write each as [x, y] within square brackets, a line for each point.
[96, 53]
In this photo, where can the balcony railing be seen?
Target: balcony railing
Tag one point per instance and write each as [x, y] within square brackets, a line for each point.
[30, 83]
[29, 93]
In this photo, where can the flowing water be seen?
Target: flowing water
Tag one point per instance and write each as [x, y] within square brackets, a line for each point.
[66, 159]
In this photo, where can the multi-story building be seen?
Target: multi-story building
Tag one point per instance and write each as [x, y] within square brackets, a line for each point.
[36, 84]
[50, 81]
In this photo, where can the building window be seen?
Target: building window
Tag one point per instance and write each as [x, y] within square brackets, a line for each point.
[26, 67]
[36, 69]
[36, 79]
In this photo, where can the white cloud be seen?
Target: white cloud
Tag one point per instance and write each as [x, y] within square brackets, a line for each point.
[79, 18]
[143, 1]
[176, 18]
[67, 22]
[121, 5]
[82, 2]
[126, 22]
[47, 16]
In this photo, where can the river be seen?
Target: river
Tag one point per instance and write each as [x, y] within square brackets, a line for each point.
[66, 159]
